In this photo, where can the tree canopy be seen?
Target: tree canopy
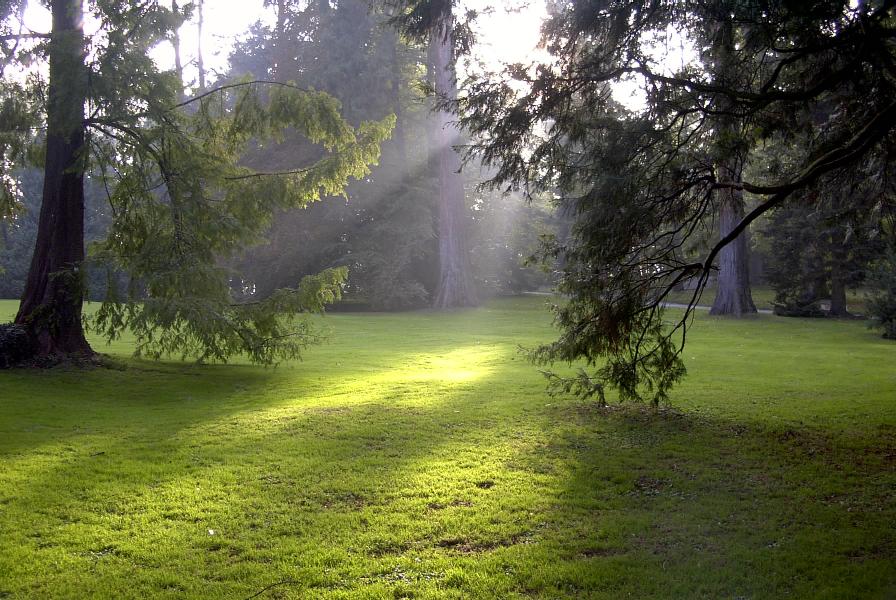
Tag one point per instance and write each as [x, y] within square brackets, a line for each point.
[643, 184]
[179, 200]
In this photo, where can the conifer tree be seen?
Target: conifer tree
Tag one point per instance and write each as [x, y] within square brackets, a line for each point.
[180, 202]
[643, 185]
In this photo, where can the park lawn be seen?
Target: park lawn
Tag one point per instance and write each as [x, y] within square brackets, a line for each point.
[764, 298]
[417, 456]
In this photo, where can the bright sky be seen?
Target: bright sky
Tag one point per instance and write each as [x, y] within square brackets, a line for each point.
[504, 35]
[222, 27]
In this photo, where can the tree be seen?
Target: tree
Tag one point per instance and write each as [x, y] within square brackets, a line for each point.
[733, 290]
[819, 249]
[434, 22]
[382, 229]
[455, 286]
[180, 202]
[643, 184]
[51, 304]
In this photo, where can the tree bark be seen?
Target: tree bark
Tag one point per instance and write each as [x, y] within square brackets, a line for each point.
[51, 305]
[178, 65]
[200, 63]
[398, 133]
[733, 295]
[838, 275]
[280, 44]
[455, 287]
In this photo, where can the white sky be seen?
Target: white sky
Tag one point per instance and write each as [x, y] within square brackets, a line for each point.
[503, 35]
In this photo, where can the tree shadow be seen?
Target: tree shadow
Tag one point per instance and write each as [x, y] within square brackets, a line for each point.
[336, 457]
[670, 502]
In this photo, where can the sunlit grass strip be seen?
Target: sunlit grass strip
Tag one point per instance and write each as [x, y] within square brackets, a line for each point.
[416, 455]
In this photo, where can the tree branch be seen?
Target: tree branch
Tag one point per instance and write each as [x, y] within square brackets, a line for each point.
[873, 131]
[267, 174]
[11, 37]
[238, 85]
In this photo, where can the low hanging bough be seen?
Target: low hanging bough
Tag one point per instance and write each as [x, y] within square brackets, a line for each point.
[179, 200]
[644, 186]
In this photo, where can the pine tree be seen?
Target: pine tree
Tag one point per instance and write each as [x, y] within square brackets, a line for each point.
[180, 202]
[642, 185]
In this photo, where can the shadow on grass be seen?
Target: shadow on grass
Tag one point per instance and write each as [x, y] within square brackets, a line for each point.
[711, 507]
[262, 471]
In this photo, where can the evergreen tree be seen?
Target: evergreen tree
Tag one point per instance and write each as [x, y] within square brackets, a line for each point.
[179, 201]
[643, 184]
[434, 22]
[382, 229]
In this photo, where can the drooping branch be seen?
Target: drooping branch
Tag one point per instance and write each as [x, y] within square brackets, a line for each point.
[873, 132]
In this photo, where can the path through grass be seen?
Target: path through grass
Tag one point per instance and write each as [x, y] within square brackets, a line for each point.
[417, 456]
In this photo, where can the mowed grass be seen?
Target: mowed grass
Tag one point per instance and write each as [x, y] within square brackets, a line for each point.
[417, 456]
[764, 298]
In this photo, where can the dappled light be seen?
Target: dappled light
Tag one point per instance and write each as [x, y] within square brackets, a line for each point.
[456, 300]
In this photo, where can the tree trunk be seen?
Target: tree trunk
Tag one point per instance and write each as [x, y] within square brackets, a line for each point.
[51, 305]
[838, 275]
[178, 65]
[733, 295]
[200, 63]
[280, 44]
[455, 287]
[398, 133]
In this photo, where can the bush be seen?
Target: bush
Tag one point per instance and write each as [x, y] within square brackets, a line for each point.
[882, 301]
[15, 345]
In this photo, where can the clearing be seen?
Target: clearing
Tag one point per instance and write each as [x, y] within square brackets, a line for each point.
[417, 456]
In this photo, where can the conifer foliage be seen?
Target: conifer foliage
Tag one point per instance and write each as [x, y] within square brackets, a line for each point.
[644, 184]
[180, 203]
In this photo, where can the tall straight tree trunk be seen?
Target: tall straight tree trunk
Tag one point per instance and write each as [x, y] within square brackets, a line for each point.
[200, 63]
[733, 295]
[178, 65]
[398, 133]
[838, 274]
[54, 292]
[455, 287]
[280, 43]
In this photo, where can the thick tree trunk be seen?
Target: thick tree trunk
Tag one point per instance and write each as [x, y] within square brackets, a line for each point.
[455, 287]
[838, 275]
[54, 292]
[733, 295]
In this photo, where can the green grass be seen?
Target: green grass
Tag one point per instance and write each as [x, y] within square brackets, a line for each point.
[764, 297]
[417, 456]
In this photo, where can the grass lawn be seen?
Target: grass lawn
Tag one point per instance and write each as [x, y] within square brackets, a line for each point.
[417, 456]
[764, 298]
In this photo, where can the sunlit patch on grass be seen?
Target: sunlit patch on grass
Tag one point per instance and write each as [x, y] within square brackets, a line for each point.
[417, 455]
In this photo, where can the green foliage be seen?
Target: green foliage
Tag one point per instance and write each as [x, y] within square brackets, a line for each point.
[881, 302]
[642, 185]
[181, 204]
[505, 238]
[18, 235]
[172, 244]
[382, 229]
[18, 118]
[202, 323]
[825, 238]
